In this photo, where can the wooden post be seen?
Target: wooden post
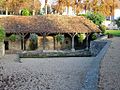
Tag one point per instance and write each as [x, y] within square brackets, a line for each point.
[44, 40]
[23, 43]
[73, 36]
[6, 11]
[45, 9]
[73, 48]
[87, 41]
[46, 1]
[54, 42]
[23, 40]
[33, 13]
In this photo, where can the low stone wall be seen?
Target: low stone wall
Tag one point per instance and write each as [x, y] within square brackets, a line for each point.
[41, 54]
[96, 46]
[2, 49]
[15, 45]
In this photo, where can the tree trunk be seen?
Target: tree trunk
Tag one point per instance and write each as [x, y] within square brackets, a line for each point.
[46, 1]
[68, 11]
[33, 13]
[6, 10]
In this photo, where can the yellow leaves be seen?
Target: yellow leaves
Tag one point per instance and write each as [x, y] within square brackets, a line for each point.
[94, 2]
[105, 7]
[109, 2]
[16, 5]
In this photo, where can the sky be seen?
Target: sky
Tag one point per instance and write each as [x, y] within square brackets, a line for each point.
[49, 1]
[117, 13]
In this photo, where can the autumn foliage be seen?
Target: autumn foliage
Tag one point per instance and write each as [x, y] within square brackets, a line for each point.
[15, 5]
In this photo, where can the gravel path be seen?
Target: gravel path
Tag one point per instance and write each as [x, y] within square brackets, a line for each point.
[44, 73]
[110, 67]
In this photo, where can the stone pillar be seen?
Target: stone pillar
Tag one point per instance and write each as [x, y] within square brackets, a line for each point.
[2, 49]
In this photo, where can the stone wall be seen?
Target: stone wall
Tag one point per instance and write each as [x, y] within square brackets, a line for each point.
[2, 49]
[46, 54]
[15, 45]
[49, 44]
[96, 46]
[67, 43]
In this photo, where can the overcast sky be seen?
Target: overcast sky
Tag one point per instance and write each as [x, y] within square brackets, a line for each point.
[49, 1]
[117, 13]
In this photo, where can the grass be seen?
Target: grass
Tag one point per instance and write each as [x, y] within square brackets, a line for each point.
[113, 32]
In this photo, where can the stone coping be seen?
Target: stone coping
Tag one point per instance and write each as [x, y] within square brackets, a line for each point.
[92, 76]
[54, 53]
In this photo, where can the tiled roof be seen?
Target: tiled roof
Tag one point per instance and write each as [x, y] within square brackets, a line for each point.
[47, 23]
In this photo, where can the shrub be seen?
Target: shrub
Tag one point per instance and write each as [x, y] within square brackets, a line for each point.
[117, 21]
[33, 41]
[14, 37]
[2, 34]
[94, 36]
[81, 37]
[96, 18]
[25, 12]
[59, 38]
[102, 28]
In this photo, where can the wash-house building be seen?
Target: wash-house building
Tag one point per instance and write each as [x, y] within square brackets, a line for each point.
[46, 27]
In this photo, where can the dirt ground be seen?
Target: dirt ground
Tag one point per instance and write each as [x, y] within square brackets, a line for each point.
[110, 67]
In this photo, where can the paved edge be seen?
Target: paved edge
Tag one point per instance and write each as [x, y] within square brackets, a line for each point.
[92, 76]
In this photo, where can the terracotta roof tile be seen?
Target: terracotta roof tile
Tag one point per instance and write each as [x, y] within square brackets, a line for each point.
[48, 23]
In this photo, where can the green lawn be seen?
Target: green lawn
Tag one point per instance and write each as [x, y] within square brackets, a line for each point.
[113, 32]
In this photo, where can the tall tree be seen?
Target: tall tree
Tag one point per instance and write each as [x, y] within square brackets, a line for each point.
[37, 6]
[15, 5]
[77, 6]
[67, 3]
[5, 5]
[86, 5]
[105, 7]
[113, 4]
[60, 6]
[46, 2]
